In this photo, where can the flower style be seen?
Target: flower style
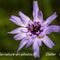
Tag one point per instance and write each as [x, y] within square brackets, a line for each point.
[34, 32]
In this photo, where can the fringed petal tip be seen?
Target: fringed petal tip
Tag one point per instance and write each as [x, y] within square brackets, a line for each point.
[50, 19]
[52, 28]
[35, 55]
[34, 0]
[22, 44]
[10, 33]
[15, 31]
[23, 16]
[36, 49]
[55, 14]
[20, 13]
[35, 9]
[16, 20]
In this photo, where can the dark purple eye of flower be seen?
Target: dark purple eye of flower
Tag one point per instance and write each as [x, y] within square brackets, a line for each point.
[35, 28]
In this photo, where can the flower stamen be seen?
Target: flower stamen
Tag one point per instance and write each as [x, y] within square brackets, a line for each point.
[35, 28]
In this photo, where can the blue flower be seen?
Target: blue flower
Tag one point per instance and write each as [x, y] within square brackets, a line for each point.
[34, 32]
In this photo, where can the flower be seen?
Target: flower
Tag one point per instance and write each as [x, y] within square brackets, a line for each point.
[34, 32]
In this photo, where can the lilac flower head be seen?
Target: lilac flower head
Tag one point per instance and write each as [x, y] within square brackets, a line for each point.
[34, 32]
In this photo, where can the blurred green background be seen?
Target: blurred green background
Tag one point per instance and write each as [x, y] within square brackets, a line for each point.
[9, 45]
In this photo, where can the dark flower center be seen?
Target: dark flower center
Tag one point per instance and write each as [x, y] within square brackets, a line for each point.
[35, 28]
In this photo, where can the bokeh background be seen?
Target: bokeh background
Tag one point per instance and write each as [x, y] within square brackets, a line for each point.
[9, 45]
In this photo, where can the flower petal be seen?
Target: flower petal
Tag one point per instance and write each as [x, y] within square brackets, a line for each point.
[20, 36]
[40, 16]
[36, 49]
[17, 21]
[22, 44]
[35, 9]
[39, 41]
[47, 41]
[18, 30]
[50, 19]
[52, 28]
[25, 19]
[30, 41]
